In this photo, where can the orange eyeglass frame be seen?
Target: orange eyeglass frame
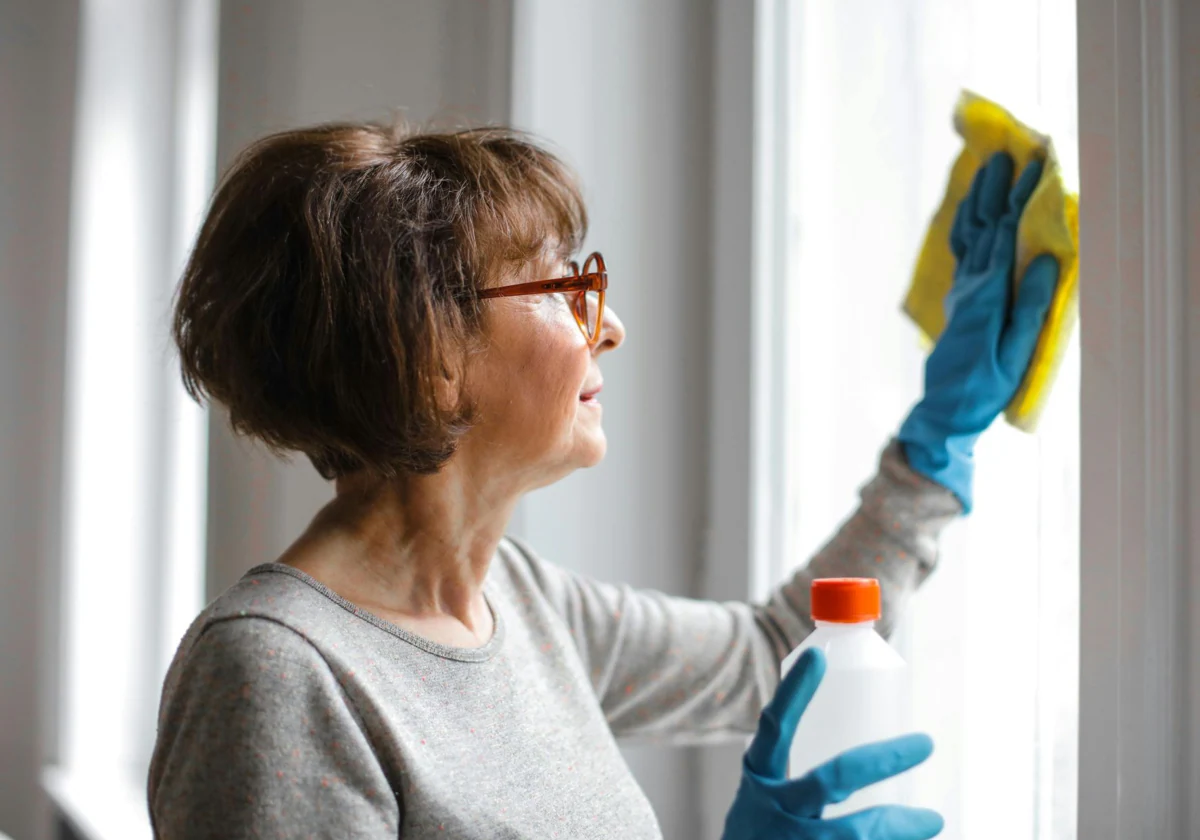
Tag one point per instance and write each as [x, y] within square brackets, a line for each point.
[594, 278]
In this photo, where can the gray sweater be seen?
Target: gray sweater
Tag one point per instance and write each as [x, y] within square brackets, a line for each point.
[289, 712]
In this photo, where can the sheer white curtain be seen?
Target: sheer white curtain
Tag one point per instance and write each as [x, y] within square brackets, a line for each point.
[992, 638]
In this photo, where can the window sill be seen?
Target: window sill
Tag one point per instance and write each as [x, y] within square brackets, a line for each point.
[98, 806]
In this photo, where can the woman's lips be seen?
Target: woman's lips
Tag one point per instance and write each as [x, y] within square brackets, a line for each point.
[590, 395]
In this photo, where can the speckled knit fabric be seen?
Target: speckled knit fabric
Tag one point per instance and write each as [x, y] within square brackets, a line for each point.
[290, 713]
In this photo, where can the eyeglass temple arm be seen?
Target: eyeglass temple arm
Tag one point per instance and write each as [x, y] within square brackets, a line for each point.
[565, 284]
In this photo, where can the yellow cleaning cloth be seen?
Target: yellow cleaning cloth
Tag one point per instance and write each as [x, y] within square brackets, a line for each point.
[1050, 224]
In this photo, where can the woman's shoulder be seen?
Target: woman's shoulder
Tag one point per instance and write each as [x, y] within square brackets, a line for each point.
[272, 612]
[271, 592]
[265, 610]
[243, 681]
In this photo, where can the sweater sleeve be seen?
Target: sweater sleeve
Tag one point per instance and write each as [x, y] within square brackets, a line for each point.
[257, 739]
[688, 671]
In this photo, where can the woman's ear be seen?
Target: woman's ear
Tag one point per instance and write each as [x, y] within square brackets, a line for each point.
[448, 388]
[453, 386]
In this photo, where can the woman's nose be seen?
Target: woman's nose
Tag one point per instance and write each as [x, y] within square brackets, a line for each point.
[612, 333]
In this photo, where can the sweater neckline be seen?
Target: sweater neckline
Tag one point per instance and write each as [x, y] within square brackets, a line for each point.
[459, 654]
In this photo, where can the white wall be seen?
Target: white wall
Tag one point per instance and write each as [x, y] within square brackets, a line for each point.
[37, 90]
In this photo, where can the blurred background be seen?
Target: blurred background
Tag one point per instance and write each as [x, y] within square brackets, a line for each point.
[759, 176]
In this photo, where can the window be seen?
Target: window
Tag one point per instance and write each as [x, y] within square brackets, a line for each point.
[133, 565]
[992, 637]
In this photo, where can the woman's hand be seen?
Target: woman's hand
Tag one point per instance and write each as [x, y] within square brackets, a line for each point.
[770, 807]
[981, 356]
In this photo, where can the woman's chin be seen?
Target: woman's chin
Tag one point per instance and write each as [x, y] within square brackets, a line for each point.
[585, 453]
[592, 448]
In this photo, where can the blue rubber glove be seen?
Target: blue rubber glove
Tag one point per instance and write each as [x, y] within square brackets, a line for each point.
[770, 807]
[981, 356]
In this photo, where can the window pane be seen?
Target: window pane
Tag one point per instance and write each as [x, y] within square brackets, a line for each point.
[992, 637]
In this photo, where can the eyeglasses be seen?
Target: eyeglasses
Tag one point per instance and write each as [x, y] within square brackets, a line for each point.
[587, 290]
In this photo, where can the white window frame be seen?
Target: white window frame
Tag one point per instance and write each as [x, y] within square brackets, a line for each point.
[1139, 722]
[746, 333]
[135, 473]
[1139, 756]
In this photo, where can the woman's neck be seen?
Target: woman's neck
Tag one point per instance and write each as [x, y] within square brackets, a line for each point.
[414, 551]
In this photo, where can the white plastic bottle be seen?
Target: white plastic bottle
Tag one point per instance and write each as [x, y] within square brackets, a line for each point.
[865, 694]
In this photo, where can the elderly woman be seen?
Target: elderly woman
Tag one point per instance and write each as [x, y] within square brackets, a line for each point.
[403, 309]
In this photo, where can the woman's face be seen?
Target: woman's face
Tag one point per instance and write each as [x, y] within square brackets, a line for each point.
[536, 385]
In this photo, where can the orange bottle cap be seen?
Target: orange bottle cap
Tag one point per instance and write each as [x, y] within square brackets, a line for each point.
[846, 600]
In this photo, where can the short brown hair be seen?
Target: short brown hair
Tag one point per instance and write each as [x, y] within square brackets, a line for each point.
[333, 284]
